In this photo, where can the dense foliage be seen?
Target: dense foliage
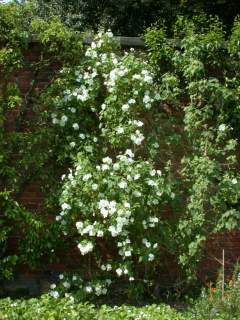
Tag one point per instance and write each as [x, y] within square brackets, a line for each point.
[25, 145]
[137, 152]
[212, 304]
[48, 308]
[131, 17]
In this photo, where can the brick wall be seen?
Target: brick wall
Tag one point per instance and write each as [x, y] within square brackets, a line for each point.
[32, 198]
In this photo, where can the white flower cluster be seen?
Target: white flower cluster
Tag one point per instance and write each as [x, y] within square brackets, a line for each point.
[97, 288]
[137, 137]
[93, 230]
[151, 222]
[85, 247]
[117, 196]
[107, 207]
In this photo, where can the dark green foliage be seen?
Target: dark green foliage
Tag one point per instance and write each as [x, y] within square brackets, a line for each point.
[131, 17]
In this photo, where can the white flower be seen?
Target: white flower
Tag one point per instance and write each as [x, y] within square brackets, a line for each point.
[109, 33]
[136, 77]
[75, 126]
[113, 230]
[222, 127]
[54, 294]
[138, 123]
[129, 178]
[61, 276]
[104, 212]
[66, 285]
[115, 61]
[125, 107]
[55, 121]
[74, 278]
[53, 286]
[107, 160]
[104, 291]
[79, 225]
[120, 130]
[146, 99]
[129, 153]
[65, 206]
[72, 144]
[73, 110]
[112, 205]
[128, 253]
[148, 79]
[151, 257]
[116, 166]
[234, 181]
[99, 43]
[137, 137]
[131, 101]
[88, 229]
[58, 218]
[102, 203]
[82, 136]
[100, 234]
[85, 247]
[88, 289]
[137, 176]
[119, 272]
[153, 173]
[64, 118]
[103, 106]
[105, 167]
[122, 185]
[131, 279]
[108, 267]
[151, 183]
[148, 244]
[94, 187]
[87, 176]
[137, 194]
[98, 290]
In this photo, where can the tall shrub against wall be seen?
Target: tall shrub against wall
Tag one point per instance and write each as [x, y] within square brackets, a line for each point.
[144, 136]
[136, 151]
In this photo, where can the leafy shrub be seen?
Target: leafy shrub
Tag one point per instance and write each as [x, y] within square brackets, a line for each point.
[131, 17]
[24, 148]
[147, 142]
[122, 121]
[55, 309]
[218, 304]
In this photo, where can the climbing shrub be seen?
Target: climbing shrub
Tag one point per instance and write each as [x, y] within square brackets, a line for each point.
[146, 137]
[27, 148]
[137, 152]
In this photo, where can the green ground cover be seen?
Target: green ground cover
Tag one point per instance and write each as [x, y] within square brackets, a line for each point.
[47, 308]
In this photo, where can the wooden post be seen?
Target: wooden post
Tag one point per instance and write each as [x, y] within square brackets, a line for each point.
[223, 273]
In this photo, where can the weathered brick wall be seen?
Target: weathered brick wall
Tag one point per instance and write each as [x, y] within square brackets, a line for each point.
[32, 198]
